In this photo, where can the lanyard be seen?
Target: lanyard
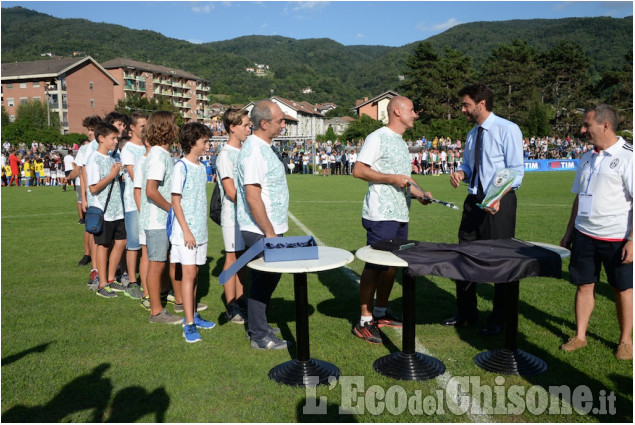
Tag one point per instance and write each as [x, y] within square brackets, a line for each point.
[593, 170]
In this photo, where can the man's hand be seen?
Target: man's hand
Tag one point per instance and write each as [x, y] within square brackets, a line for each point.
[426, 199]
[567, 240]
[494, 207]
[627, 253]
[400, 180]
[456, 178]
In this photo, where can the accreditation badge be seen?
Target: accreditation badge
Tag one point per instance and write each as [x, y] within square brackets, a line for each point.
[585, 201]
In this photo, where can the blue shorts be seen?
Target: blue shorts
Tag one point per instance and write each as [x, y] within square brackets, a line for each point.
[132, 230]
[587, 257]
[157, 244]
[383, 230]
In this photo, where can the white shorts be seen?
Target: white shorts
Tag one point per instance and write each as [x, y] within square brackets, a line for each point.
[47, 172]
[142, 237]
[187, 257]
[60, 174]
[233, 239]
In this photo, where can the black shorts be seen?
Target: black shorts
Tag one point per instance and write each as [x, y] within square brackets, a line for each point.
[587, 257]
[383, 230]
[112, 230]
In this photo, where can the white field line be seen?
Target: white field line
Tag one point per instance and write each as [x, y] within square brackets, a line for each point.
[458, 203]
[452, 396]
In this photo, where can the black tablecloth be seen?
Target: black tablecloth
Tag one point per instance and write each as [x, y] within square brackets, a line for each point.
[494, 261]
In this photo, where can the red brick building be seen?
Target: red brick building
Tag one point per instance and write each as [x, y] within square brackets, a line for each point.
[73, 88]
[186, 91]
[377, 107]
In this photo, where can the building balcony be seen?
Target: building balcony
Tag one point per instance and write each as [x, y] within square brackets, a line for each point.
[56, 105]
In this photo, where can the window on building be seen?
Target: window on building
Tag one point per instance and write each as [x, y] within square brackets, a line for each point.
[10, 101]
[92, 103]
[24, 100]
[9, 85]
[90, 85]
[22, 85]
[37, 99]
[36, 84]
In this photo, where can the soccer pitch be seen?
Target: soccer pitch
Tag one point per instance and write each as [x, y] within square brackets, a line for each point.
[70, 356]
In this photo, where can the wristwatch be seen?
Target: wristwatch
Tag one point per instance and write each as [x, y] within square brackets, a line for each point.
[630, 238]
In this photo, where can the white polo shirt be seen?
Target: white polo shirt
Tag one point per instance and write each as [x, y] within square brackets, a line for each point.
[605, 179]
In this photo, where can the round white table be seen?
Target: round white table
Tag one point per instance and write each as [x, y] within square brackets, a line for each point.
[303, 370]
[406, 364]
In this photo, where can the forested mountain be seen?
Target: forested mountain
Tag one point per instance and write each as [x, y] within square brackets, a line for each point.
[334, 72]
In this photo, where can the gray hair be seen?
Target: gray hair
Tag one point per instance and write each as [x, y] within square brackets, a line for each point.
[605, 113]
[261, 111]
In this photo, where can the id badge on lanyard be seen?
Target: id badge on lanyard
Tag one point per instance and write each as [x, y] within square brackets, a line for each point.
[585, 200]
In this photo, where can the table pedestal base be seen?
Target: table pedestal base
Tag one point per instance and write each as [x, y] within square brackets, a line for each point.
[296, 372]
[409, 367]
[510, 362]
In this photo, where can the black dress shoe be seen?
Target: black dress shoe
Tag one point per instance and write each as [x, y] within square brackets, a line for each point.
[458, 321]
[491, 329]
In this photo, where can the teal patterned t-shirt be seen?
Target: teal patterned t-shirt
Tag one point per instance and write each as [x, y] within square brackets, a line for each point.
[193, 200]
[386, 152]
[258, 164]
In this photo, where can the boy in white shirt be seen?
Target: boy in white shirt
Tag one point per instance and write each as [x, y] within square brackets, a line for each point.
[102, 172]
[130, 154]
[161, 130]
[189, 231]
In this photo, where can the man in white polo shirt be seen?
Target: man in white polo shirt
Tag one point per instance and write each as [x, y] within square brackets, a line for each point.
[600, 229]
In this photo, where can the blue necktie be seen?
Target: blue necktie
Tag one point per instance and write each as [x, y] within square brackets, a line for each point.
[478, 153]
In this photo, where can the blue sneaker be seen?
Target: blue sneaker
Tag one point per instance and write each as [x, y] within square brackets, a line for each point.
[200, 322]
[190, 333]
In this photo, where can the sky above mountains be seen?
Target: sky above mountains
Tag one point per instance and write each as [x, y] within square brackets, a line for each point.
[388, 23]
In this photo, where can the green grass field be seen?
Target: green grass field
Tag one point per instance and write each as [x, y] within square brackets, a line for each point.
[70, 356]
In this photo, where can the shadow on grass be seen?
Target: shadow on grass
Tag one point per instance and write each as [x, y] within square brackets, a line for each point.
[328, 413]
[15, 357]
[92, 392]
[562, 376]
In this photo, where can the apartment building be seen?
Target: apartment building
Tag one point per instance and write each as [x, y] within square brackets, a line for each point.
[186, 91]
[73, 88]
[303, 118]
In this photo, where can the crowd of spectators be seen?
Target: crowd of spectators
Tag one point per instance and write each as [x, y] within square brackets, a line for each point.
[429, 156]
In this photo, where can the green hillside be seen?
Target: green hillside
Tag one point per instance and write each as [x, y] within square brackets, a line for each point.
[335, 72]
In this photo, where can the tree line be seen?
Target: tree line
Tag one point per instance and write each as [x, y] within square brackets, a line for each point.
[543, 91]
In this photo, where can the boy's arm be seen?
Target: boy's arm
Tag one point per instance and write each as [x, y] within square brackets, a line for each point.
[188, 237]
[101, 184]
[229, 188]
[153, 194]
[136, 193]
[82, 183]
[130, 170]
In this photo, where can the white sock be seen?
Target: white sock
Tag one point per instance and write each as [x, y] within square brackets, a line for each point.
[379, 311]
[365, 319]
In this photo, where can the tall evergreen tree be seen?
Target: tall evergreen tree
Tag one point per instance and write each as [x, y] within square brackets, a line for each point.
[422, 82]
[511, 72]
[565, 82]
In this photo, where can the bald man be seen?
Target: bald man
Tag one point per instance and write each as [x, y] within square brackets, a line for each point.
[384, 162]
